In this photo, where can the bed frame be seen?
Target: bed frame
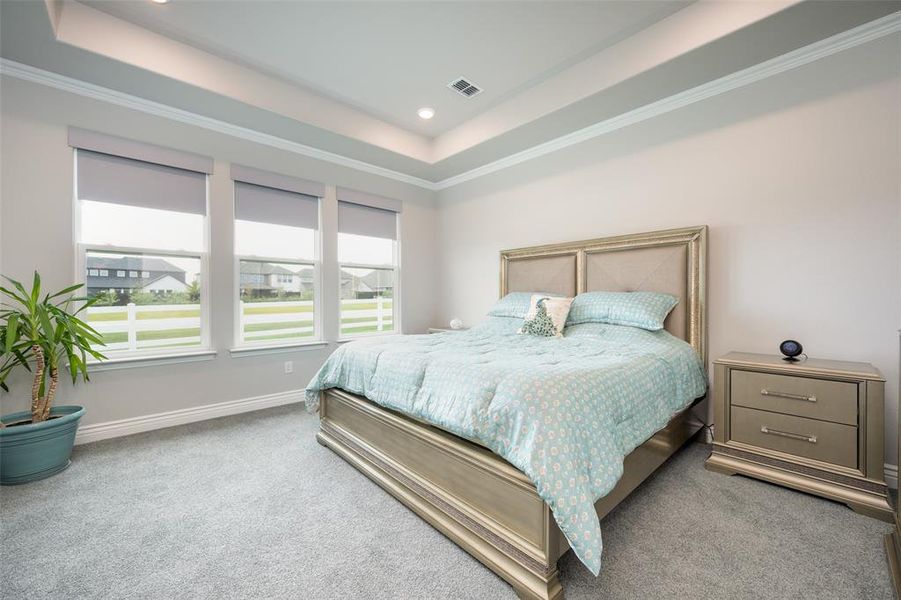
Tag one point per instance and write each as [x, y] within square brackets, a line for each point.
[474, 497]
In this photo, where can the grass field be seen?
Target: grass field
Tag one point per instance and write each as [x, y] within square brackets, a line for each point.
[349, 324]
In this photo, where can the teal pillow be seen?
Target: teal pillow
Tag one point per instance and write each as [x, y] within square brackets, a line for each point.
[646, 310]
[514, 304]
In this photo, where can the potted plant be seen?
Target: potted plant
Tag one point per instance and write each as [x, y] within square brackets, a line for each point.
[41, 335]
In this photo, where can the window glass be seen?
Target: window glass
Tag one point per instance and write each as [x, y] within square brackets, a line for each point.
[276, 246]
[362, 249]
[367, 287]
[276, 301]
[161, 312]
[142, 240]
[367, 301]
[109, 224]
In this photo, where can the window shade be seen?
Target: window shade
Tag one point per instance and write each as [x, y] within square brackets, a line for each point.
[366, 220]
[277, 181]
[84, 139]
[278, 207]
[119, 180]
[371, 200]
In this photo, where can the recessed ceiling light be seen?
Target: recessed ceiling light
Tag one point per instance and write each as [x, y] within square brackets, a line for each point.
[160, 1]
[425, 112]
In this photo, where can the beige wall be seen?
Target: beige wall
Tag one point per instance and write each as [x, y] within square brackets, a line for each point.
[798, 177]
[36, 233]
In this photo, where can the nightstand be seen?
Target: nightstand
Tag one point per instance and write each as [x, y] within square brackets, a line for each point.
[814, 425]
[445, 329]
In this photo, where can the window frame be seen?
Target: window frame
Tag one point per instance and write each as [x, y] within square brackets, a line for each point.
[238, 343]
[396, 326]
[82, 249]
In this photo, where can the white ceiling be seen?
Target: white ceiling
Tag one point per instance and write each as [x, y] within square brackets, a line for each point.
[341, 81]
[390, 58]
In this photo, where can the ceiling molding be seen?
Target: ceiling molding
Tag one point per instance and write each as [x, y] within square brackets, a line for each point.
[96, 92]
[797, 58]
[802, 56]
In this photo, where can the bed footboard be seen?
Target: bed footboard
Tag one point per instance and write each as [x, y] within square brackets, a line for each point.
[478, 500]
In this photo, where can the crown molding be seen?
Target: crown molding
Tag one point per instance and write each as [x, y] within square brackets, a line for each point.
[104, 94]
[837, 43]
[780, 64]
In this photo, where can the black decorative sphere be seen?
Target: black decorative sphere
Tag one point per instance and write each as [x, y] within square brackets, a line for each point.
[791, 349]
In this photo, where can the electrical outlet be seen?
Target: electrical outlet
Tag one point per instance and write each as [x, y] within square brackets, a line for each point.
[289, 366]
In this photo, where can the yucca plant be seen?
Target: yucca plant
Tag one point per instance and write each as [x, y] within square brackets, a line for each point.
[39, 334]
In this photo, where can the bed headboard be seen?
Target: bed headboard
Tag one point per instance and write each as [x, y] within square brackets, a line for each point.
[673, 261]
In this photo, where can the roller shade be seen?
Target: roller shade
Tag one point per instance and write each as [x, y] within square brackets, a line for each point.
[366, 220]
[120, 180]
[370, 200]
[279, 207]
[84, 139]
[277, 181]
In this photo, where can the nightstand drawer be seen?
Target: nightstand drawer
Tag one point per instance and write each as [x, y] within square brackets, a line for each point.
[834, 401]
[818, 440]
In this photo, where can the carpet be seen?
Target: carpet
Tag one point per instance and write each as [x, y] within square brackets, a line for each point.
[251, 506]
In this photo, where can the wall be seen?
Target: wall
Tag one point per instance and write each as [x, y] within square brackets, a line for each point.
[36, 233]
[798, 177]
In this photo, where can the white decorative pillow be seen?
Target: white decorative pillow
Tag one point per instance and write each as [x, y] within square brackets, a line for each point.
[552, 308]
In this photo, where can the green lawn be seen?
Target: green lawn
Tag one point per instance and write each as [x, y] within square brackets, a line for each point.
[110, 316]
[165, 334]
[349, 323]
[168, 314]
[274, 326]
[366, 306]
[114, 337]
[145, 314]
[276, 309]
[358, 319]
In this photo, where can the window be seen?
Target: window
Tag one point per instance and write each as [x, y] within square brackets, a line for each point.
[136, 217]
[93, 272]
[367, 259]
[104, 273]
[277, 257]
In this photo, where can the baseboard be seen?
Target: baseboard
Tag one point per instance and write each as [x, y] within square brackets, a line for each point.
[113, 429]
[891, 475]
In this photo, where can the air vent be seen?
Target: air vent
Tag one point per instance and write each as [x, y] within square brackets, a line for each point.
[464, 87]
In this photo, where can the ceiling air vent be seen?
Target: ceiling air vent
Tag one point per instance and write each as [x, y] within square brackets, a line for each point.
[464, 87]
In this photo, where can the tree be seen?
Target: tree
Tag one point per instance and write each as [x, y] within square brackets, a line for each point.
[194, 291]
[106, 298]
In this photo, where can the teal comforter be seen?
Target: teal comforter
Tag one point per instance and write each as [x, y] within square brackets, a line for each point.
[565, 411]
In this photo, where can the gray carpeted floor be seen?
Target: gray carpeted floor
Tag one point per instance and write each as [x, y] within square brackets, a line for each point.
[252, 507]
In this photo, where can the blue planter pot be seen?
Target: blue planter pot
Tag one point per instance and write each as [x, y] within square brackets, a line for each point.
[37, 450]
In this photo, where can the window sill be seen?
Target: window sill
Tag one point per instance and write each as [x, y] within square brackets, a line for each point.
[241, 352]
[134, 362]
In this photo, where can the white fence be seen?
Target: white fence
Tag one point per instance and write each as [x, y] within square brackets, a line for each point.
[159, 325]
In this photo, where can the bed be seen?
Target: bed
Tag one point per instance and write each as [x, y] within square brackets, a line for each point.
[455, 478]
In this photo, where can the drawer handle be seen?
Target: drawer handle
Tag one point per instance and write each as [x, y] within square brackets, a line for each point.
[795, 436]
[766, 392]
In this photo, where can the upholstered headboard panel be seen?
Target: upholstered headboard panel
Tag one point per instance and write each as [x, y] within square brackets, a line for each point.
[672, 261]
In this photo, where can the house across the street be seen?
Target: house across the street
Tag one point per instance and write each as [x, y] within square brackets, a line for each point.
[129, 273]
[262, 279]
